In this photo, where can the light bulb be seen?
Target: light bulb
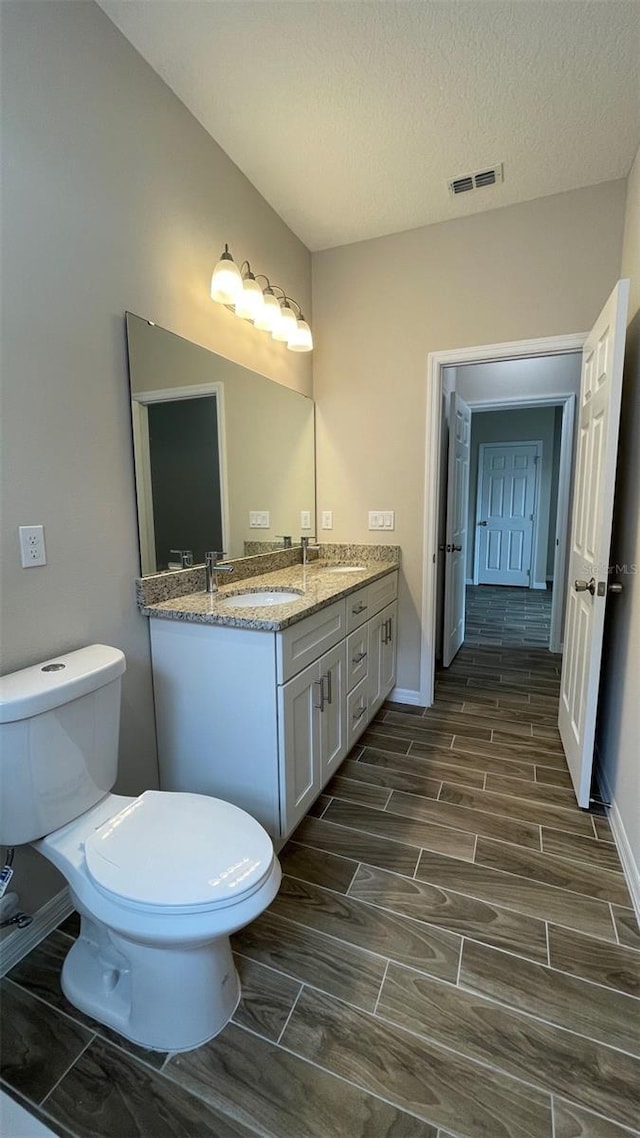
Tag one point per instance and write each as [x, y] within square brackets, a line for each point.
[226, 282]
[287, 324]
[270, 315]
[251, 302]
[301, 339]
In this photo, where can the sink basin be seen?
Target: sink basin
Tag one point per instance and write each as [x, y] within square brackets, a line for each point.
[261, 600]
[345, 568]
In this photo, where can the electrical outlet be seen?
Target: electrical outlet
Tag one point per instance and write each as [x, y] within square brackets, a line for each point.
[327, 519]
[305, 519]
[32, 549]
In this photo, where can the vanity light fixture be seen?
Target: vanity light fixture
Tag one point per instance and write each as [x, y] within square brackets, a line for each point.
[239, 290]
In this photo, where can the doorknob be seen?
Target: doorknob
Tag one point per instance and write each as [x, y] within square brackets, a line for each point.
[482, 523]
[456, 549]
[585, 586]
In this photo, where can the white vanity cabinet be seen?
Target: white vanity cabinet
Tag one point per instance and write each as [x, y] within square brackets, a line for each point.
[264, 719]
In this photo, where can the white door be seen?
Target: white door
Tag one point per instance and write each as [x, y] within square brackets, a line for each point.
[457, 525]
[590, 541]
[506, 505]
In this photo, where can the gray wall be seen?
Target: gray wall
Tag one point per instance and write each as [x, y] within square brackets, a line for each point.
[516, 426]
[114, 198]
[542, 268]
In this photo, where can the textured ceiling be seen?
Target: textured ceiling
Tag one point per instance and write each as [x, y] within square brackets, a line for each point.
[349, 116]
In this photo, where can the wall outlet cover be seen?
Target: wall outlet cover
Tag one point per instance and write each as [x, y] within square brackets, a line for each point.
[305, 519]
[327, 519]
[32, 548]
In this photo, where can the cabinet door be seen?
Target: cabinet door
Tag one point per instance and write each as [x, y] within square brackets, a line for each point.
[333, 741]
[299, 745]
[389, 651]
[382, 655]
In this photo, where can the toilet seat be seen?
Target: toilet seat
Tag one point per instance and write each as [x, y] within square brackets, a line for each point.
[183, 853]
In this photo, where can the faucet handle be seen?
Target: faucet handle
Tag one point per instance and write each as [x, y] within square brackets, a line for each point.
[214, 556]
[185, 555]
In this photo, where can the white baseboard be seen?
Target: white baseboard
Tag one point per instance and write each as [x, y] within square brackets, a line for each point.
[16, 944]
[623, 846]
[539, 585]
[406, 695]
[468, 581]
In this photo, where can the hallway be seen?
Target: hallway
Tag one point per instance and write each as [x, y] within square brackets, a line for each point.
[452, 954]
[500, 615]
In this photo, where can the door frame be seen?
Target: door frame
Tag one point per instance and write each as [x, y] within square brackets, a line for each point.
[482, 447]
[140, 401]
[436, 363]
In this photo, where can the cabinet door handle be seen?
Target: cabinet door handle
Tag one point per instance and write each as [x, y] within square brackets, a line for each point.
[358, 658]
[386, 631]
[361, 608]
[319, 684]
[390, 623]
[358, 715]
[327, 677]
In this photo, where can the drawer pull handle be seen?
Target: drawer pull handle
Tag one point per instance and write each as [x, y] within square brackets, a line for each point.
[358, 715]
[358, 658]
[320, 685]
[361, 608]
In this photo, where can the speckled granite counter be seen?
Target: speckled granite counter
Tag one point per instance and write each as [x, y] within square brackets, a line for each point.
[317, 585]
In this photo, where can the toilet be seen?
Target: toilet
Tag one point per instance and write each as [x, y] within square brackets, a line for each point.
[161, 881]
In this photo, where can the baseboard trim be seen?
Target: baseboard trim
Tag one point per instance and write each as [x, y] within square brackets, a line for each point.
[623, 845]
[539, 585]
[16, 944]
[469, 581]
[406, 695]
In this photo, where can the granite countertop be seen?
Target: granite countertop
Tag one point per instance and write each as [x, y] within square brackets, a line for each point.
[317, 588]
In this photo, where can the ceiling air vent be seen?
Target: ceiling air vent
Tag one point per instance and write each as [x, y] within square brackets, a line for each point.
[488, 177]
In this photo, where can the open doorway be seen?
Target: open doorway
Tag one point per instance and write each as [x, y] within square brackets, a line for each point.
[507, 405]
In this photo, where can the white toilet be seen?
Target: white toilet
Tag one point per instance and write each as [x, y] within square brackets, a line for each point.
[160, 881]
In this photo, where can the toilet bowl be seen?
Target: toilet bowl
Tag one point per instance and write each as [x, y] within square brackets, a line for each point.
[161, 881]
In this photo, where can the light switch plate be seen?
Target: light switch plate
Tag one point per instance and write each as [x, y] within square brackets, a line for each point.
[259, 519]
[327, 519]
[382, 519]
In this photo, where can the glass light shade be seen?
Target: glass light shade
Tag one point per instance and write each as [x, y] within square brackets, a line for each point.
[251, 302]
[226, 282]
[287, 324]
[270, 315]
[301, 339]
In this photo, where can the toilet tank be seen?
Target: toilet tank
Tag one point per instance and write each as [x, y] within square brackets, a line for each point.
[59, 726]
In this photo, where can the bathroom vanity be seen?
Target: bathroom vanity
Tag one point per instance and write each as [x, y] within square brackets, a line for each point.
[260, 705]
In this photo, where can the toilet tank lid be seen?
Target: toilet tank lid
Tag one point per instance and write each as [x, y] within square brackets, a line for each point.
[57, 681]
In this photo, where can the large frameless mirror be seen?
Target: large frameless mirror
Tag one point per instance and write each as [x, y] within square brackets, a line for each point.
[224, 457]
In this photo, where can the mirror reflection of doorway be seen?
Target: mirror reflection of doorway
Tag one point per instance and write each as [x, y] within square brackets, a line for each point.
[185, 477]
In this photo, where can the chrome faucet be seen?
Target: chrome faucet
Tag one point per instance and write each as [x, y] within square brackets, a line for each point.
[212, 566]
[306, 546]
[185, 557]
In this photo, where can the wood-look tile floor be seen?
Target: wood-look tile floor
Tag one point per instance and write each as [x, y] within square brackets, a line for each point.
[453, 952]
[505, 615]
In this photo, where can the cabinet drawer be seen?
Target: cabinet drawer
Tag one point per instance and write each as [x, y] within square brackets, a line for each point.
[302, 643]
[357, 712]
[382, 593]
[357, 656]
[357, 609]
